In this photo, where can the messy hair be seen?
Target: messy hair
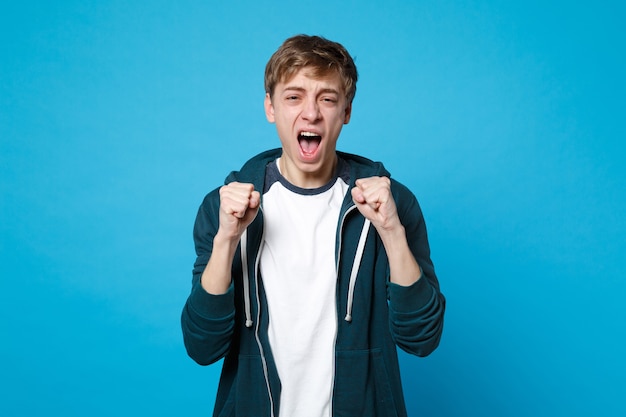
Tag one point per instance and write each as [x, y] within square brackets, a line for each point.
[321, 55]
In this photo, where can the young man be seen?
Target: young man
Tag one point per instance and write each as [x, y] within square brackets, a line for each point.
[312, 264]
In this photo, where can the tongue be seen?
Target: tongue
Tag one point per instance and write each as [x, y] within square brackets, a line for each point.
[309, 145]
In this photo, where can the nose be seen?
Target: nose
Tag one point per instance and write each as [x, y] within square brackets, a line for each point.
[311, 110]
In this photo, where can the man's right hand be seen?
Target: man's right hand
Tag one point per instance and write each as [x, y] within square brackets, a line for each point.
[239, 205]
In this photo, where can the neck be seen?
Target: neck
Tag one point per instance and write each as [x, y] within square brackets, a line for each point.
[304, 179]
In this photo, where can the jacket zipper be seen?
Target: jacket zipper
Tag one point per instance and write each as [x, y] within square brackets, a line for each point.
[342, 222]
[258, 319]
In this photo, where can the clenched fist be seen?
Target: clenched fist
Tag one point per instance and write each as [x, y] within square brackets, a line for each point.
[239, 205]
[373, 198]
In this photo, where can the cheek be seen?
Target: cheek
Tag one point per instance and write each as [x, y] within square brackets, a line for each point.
[285, 117]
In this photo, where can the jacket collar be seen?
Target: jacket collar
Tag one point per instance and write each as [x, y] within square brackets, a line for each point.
[253, 171]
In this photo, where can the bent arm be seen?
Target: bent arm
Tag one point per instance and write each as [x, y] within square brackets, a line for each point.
[416, 304]
[207, 319]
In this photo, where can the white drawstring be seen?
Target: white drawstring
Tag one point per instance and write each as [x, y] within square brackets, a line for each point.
[355, 268]
[246, 278]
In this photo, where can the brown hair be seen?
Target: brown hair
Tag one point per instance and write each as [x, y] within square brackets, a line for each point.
[320, 54]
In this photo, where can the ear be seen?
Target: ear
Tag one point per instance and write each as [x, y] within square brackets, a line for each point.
[346, 118]
[269, 108]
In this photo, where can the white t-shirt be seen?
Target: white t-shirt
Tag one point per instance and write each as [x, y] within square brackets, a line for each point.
[299, 275]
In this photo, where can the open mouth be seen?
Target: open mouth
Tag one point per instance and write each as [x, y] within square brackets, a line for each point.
[309, 142]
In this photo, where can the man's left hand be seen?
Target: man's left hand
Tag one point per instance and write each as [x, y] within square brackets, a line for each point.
[374, 200]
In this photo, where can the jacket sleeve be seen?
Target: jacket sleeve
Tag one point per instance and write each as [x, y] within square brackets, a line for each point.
[416, 312]
[207, 320]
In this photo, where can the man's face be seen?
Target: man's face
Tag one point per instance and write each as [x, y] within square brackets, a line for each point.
[309, 114]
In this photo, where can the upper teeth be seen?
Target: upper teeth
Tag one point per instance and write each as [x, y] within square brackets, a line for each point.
[309, 134]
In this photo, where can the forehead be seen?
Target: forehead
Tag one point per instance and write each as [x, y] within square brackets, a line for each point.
[311, 78]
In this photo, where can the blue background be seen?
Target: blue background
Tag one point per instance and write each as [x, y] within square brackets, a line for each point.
[505, 118]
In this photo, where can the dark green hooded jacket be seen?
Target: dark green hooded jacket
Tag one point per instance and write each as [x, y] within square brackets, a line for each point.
[373, 314]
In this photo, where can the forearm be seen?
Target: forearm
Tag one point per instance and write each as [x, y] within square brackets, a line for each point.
[416, 307]
[209, 315]
[216, 277]
[403, 268]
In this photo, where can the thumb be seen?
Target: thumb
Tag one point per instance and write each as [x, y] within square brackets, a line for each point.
[357, 195]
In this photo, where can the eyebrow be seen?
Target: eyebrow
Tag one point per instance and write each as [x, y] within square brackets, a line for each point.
[302, 89]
